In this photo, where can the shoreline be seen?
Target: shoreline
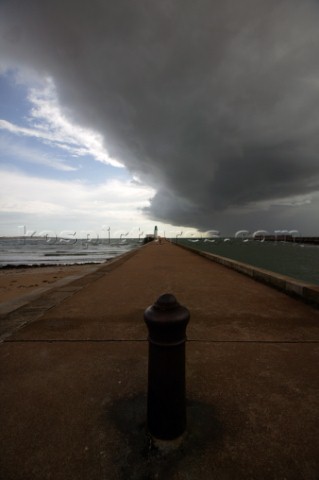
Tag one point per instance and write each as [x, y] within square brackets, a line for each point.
[45, 265]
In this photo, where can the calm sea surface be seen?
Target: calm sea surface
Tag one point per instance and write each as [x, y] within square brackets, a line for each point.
[294, 260]
[40, 251]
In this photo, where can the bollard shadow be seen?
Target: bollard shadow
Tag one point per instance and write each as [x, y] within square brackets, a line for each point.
[138, 459]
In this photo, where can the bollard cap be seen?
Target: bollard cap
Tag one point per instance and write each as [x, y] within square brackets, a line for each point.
[167, 301]
[167, 321]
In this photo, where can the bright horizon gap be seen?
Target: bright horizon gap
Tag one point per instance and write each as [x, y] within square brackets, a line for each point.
[137, 232]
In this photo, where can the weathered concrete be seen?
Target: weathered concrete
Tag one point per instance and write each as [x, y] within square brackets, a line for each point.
[73, 383]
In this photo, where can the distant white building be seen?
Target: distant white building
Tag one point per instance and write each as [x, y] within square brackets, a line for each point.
[149, 237]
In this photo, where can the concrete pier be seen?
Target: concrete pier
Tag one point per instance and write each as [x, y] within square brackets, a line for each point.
[73, 377]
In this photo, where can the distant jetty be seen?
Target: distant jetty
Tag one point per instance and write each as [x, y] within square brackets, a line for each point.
[287, 238]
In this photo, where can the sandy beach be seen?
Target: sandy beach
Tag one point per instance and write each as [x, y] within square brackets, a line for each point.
[18, 282]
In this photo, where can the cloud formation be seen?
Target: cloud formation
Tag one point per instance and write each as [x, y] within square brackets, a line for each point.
[69, 204]
[214, 104]
[47, 123]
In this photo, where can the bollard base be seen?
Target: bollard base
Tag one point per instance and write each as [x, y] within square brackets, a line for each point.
[167, 446]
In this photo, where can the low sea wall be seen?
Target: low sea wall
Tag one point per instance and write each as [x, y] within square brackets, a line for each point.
[296, 288]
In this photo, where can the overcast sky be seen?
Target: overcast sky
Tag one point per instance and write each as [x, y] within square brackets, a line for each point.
[123, 114]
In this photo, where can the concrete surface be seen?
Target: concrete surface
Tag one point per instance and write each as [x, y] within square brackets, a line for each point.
[73, 379]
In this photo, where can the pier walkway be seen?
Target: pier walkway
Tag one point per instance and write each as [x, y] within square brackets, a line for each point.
[73, 379]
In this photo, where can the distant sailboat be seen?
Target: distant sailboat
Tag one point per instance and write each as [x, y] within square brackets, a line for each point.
[124, 240]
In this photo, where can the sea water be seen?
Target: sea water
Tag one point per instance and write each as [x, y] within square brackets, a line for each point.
[36, 251]
[300, 261]
[292, 259]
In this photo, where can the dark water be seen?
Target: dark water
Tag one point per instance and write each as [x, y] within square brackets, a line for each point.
[297, 261]
[41, 251]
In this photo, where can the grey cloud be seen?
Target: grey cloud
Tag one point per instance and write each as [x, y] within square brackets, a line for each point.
[216, 104]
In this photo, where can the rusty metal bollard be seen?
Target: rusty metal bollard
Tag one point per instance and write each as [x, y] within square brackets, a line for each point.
[166, 403]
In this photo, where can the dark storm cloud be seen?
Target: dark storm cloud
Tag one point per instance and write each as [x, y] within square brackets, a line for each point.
[216, 104]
